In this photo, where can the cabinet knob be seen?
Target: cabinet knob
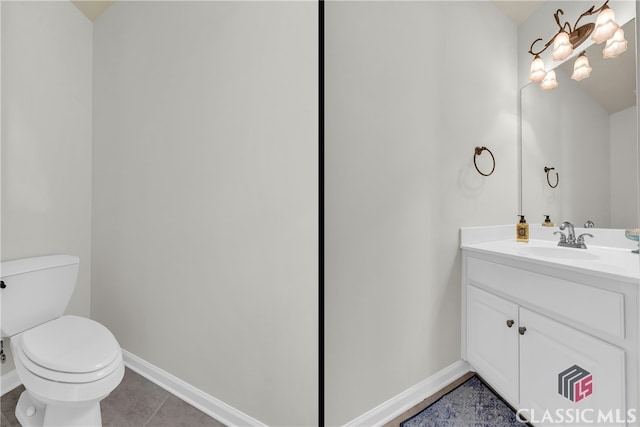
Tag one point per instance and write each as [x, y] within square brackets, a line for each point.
[510, 323]
[522, 330]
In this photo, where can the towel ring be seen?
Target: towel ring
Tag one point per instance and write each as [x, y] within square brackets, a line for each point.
[479, 151]
[547, 170]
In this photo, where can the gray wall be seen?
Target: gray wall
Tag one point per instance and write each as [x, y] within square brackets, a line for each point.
[46, 137]
[624, 169]
[411, 88]
[205, 202]
[567, 129]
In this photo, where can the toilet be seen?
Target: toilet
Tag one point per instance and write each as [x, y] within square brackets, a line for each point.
[66, 363]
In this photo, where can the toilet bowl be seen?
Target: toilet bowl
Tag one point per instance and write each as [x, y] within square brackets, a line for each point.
[67, 364]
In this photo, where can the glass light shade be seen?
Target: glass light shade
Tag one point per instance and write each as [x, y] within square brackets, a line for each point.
[606, 26]
[581, 68]
[562, 47]
[537, 70]
[549, 81]
[615, 45]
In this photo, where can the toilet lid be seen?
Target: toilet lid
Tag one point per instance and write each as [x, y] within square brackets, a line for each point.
[71, 344]
[65, 377]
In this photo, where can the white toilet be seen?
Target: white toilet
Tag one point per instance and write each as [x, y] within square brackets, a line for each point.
[67, 364]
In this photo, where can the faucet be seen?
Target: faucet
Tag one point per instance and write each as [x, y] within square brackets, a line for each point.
[570, 240]
[571, 237]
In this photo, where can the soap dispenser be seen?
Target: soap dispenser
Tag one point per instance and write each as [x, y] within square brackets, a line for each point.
[522, 230]
[547, 222]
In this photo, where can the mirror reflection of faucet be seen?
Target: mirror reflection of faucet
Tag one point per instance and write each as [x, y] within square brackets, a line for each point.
[569, 240]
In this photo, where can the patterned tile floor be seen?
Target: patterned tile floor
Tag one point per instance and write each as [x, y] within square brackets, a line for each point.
[470, 404]
[136, 402]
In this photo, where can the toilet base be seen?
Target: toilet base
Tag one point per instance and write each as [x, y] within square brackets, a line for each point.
[30, 412]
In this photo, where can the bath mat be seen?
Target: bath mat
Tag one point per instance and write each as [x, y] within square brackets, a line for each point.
[470, 404]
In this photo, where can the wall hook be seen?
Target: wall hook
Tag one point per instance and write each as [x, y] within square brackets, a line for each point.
[479, 151]
[547, 170]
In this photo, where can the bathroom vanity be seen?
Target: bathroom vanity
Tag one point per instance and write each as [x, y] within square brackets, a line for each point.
[553, 330]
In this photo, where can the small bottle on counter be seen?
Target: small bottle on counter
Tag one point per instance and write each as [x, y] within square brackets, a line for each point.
[547, 222]
[522, 230]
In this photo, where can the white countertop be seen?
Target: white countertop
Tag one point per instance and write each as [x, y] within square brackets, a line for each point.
[614, 261]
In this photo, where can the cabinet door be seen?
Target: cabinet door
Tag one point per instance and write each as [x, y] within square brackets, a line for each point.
[567, 373]
[492, 345]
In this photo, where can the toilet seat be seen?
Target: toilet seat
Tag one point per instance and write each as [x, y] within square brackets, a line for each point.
[70, 349]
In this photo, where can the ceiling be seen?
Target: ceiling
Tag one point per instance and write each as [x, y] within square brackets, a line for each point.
[612, 82]
[92, 8]
[517, 10]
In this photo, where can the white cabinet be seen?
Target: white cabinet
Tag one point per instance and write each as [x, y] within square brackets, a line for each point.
[492, 340]
[526, 335]
[564, 369]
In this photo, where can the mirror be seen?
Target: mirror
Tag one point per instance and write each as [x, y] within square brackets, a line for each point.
[581, 139]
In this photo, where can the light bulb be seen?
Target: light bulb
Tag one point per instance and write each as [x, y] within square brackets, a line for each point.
[562, 47]
[549, 81]
[606, 25]
[615, 45]
[537, 70]
[581, 68]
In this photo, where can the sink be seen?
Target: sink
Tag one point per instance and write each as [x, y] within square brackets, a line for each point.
[557, 252]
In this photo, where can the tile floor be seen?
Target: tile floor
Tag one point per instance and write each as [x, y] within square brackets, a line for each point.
[136, 402]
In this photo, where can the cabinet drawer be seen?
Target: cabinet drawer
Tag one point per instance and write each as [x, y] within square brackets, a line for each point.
[598, 309]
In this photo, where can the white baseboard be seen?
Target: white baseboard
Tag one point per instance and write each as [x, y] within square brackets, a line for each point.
[195, 397]
[409, 398]
[9, 381]
[232, 417]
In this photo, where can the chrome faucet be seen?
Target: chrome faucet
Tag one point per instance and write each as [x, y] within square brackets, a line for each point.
[570, 240]
[571, 232]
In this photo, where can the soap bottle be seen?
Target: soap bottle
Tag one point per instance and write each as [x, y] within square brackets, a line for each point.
[522, 230]
[547, 222]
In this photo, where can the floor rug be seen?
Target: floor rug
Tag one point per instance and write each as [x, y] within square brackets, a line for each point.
[471, 404]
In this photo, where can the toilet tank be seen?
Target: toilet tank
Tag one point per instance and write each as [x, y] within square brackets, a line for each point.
[35, 290]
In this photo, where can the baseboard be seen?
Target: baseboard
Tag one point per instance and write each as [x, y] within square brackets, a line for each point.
[195, 397]
[404, 401]
[9, 381]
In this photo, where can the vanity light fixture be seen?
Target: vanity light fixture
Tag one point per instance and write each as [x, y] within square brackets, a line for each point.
[605, 25]
[615, 45]
[562, 47]
[549, 82]
[569, 38]
[537, 70]
[581, 68]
